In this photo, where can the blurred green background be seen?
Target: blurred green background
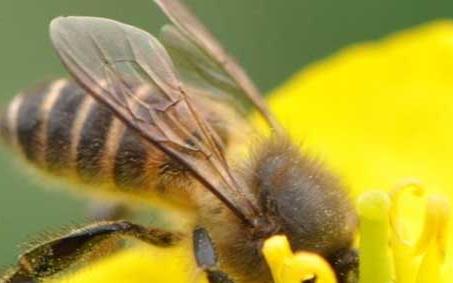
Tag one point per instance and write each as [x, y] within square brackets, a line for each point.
[272, 39]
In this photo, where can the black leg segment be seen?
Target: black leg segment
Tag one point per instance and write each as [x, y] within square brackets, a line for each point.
[346, 265]
[58, 254]
[206, 257]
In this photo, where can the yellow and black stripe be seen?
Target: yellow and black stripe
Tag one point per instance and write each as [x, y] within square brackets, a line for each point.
[61, 129]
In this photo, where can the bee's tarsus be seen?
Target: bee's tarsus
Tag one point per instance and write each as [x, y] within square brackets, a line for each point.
[17, 275]
[206, 257]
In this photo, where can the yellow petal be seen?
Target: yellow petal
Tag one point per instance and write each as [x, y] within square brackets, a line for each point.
[142, 264]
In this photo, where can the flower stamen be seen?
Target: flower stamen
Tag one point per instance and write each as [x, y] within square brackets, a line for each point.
[432, 243]
[375, 259]
[418, 259]
[402, 246]
[287, 267]
[400, 230]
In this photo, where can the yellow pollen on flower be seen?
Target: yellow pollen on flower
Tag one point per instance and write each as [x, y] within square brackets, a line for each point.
[287, 267]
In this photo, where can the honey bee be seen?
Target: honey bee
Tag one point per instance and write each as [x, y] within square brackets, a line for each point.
[153, 118]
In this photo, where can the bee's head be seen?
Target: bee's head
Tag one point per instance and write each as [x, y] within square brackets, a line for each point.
[307, 204]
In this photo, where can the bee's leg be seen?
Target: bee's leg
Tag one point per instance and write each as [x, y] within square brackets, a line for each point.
[206, 257]
[99, 210]
[346, 265]
[58, 254]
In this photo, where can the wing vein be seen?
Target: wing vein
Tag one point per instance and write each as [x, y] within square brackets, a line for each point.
[111, 60]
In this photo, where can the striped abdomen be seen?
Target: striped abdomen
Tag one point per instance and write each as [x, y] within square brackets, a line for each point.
[60, 128]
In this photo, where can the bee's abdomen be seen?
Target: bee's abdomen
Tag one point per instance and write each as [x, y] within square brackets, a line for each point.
[60, 128]
[61, 119]
[89, 142]
[26, 119]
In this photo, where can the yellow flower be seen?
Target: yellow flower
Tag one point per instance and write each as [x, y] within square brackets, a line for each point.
[380, 114]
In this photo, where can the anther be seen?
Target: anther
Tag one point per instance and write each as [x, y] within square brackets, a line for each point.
[419, 259]
[412, 187]
[432, 242]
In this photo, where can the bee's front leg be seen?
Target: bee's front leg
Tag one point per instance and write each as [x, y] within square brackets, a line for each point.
[58, 254]
[206, 257]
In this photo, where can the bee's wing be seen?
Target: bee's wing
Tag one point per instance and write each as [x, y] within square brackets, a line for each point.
[202, 60]
[108, 58]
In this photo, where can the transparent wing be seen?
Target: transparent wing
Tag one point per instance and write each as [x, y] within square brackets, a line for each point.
[203, 62]
[109, 58]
